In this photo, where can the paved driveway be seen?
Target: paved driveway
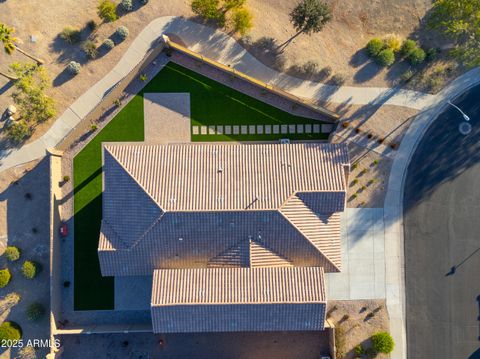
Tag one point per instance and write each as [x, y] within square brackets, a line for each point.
[442, 239]
[363, 257]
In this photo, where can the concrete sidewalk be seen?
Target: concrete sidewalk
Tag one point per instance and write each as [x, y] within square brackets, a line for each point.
[220, 47]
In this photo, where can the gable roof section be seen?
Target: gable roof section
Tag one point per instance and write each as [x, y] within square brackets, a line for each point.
[321, 229]
[238, 286]
[208, 177]
[127, 208]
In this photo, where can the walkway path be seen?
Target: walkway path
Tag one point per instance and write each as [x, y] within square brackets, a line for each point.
[218, 46]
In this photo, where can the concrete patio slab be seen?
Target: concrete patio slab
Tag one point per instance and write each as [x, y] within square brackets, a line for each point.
[167, 117]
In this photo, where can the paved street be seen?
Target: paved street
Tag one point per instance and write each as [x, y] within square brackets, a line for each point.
[442, 238]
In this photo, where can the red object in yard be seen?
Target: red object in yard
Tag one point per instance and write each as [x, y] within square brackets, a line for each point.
[63, 230]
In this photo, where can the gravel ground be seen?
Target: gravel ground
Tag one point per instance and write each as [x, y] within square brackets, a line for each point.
[26, 222]
[353, 325]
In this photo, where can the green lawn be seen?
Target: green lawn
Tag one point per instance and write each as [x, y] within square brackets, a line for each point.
[211, 104]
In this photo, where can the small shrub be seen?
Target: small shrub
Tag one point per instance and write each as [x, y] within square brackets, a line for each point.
[338, 79]
[374, 47]
[242, 21]
[27, 352]
[345, 124]
[5, 277]
[126, 5]
[385, 57]
[345, 318]
[122, 32]
[29, 269]
[71, 35]
[325, 72]
[12, 253]
[66, 178]
[107, 11]
[18, 131]
[359, 350]
[416, 56]
[355, 181]
[431, 54]
[382, 342]
[117, 102]
[394, 145]
[73, 68]
[92, 25]
[143, 77]
[355, 195]
[233, 4]
[90, 49]
[375, 162]
[93, 127]
[407, 47]
[393, 42]
[35, 311]
[108, 44]
[407, 75]
[10, 331]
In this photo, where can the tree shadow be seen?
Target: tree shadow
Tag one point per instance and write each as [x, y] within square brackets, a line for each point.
[68, 52]
[6, 87]
[367, 72]
[62, 77]
[265, 49]
[359, 58]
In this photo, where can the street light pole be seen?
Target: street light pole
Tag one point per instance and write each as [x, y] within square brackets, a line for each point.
[459, 110]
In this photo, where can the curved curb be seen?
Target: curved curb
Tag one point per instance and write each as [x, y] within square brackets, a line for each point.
[393, 207]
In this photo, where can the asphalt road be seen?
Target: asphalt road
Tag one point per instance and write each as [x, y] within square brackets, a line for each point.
[442, 238]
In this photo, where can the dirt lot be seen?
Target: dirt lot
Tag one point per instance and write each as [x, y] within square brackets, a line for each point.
[355, 324]
[25, 222]
[338, 46]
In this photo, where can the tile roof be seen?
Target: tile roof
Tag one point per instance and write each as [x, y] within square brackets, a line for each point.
[238, 299]
[170, 206]
[206, 177]
[238, 285]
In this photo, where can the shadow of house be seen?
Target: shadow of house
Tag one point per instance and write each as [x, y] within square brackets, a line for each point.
[27, 222]
[458, 153]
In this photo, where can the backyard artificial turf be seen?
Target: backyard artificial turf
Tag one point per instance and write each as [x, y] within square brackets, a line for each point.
[211, 104]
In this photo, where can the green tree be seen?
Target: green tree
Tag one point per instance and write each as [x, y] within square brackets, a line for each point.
[374, 47]
[10, 43]
[382, 342]
[242, 20]
[5, 277]
[12, 253]
[18, 131]
[233, 4]
[308, 17]
[209, 10]
[10, 331]
[460, 20]
[29, 269]
[416, 56]
[386, 57]
[107, 11]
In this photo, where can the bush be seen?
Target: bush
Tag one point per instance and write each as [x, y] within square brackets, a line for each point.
[18, 131]
[416, 56]
[107, 11]
[10, 331]
[359, 349]
[208, 9]
[90, 49]
[407, 47]
[385, 57]
[431, 54]
[27, 352]
[382, 342]
[73, 68]
[242, 21]
[5, 277]
[29, 269]
[122, 32]
[393, 42]
[66, 178]
[35, 311]
[127, 5]
[374, 47]
[108, 44]
[71, 35]
[338, 79]
[407, 75]
[232, 4]
[12, 253]
[92, 25]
